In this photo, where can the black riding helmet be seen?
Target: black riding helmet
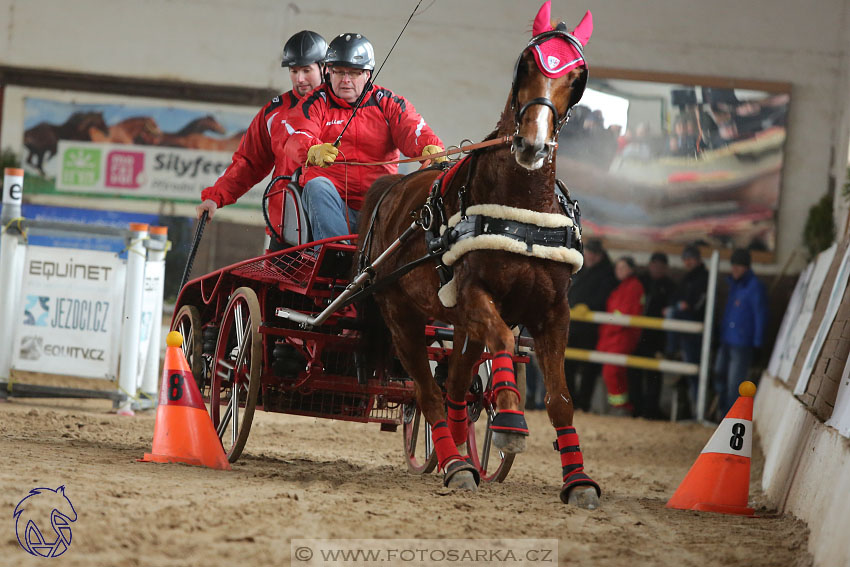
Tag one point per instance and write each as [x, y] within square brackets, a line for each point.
[304, 48]
[351, 50]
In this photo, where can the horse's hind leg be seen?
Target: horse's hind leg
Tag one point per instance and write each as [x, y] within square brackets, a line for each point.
[549, 344]
[484, 323]
[407, 332]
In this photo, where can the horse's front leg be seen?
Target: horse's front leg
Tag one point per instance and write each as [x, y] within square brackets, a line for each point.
[549, 344]
[486, 325]
[465, 355]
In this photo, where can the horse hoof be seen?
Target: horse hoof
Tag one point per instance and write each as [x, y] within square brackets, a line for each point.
[509, 442]
[463, 480]
[584, 497]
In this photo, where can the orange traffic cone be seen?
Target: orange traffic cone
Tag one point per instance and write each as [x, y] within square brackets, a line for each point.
[183, 432]
[719, 480]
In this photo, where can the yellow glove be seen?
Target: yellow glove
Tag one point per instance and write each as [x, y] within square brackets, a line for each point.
[322, 155]
[432, 149]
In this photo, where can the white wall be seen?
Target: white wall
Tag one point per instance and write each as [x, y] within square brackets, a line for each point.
[454, 62]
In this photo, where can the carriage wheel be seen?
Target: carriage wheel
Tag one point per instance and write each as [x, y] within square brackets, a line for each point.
[418, 444]
[236, 369]
[492, 464]
[188, 323]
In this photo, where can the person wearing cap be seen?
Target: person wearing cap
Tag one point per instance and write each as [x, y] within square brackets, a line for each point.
[261, 148]
[688, 303]
[626, 299]
[741, 331]
[384, 123]
[644, 384]
[591, 287]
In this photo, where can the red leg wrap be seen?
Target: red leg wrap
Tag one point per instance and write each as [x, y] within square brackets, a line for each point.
[567, 445]
[457, 420]
[443, 444]
[503, 373]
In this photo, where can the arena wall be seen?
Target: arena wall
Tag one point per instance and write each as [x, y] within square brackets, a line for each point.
[455, 59]
[806, 461]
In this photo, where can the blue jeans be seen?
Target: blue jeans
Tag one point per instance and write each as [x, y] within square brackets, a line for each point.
[326, 210]
[730, 369]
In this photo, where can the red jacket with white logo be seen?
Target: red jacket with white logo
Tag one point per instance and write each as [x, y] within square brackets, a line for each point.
[257, 155]
[385, 123]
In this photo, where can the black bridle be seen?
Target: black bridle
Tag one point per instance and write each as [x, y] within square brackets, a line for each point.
[578, 86]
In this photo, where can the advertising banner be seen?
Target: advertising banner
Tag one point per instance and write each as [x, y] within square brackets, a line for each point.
[69, 317]
[151, 300]
[835, 297]
[131, 149]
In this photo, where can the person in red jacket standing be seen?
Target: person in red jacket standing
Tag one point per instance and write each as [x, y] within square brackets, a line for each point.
[627, 299]
[261, 148]
[384, 124]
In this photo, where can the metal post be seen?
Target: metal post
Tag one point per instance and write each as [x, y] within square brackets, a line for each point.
[10, 263]
[131, 327]
[157, 248]
[708, 324]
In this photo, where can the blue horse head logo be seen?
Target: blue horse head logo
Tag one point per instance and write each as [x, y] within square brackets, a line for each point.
[33, 511]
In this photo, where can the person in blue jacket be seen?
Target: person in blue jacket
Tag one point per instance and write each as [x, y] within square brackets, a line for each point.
[741, 332]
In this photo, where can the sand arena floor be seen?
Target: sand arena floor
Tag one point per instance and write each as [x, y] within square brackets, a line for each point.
[310, 478]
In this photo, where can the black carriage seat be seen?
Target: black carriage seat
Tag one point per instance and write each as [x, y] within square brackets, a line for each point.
[293, 210]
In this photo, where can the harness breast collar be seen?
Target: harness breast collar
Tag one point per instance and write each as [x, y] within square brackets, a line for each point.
[495, 227]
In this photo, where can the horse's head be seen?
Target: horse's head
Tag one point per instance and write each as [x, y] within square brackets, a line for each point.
[549, 78]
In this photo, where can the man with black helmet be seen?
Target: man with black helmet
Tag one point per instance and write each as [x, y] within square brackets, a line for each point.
[261, 148]
[384, 124]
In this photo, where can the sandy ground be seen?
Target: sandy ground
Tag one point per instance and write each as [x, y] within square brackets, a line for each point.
[310, 478]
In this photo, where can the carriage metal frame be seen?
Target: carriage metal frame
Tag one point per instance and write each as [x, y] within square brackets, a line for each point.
[238, 338]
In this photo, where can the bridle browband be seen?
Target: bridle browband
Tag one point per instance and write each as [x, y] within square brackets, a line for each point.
[558, 121]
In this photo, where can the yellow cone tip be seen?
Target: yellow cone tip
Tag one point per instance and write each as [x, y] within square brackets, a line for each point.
[174, 338]
[747, 389]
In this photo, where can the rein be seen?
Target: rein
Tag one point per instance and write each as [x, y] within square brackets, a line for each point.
[458, 150]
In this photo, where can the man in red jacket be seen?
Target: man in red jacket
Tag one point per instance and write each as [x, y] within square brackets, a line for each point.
[626, 299]
[261, 148]
[384, 124]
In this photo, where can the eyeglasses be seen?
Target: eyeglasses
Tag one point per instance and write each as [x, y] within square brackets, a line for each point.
[350, 73]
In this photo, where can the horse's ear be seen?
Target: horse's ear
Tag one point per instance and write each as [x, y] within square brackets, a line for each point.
[584, 29]
[542, 22]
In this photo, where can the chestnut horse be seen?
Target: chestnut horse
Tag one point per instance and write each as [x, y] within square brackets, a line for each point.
[494, 289]
[200, 125]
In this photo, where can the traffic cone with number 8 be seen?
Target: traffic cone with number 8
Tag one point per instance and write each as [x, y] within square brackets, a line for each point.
[183, 432]
[719, 480]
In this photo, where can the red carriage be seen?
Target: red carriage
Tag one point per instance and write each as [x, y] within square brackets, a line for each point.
[246, 356]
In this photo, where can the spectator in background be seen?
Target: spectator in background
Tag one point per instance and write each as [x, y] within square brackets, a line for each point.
[688, 303]
[591, 287]
[741, 332]
[645, 385]
[627, 299]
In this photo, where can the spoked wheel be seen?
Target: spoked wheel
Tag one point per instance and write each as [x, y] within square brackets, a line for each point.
[418, 444]
[492, 464]
[236, 368]
[188, 323]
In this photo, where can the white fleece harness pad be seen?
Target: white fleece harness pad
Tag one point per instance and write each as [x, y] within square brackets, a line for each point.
[571, 256]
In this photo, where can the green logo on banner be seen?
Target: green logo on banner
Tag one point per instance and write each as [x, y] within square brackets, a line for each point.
[81, 166]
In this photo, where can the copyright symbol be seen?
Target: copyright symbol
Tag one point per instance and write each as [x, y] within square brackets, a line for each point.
[303, 554]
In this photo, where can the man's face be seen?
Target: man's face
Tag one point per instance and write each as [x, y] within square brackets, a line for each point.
[305, 78]
[738, 271]
[657, 269]
[348, 83]
[591, 258]
[690, 262]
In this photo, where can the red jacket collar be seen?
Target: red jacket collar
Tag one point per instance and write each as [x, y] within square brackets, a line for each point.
[338, 100]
